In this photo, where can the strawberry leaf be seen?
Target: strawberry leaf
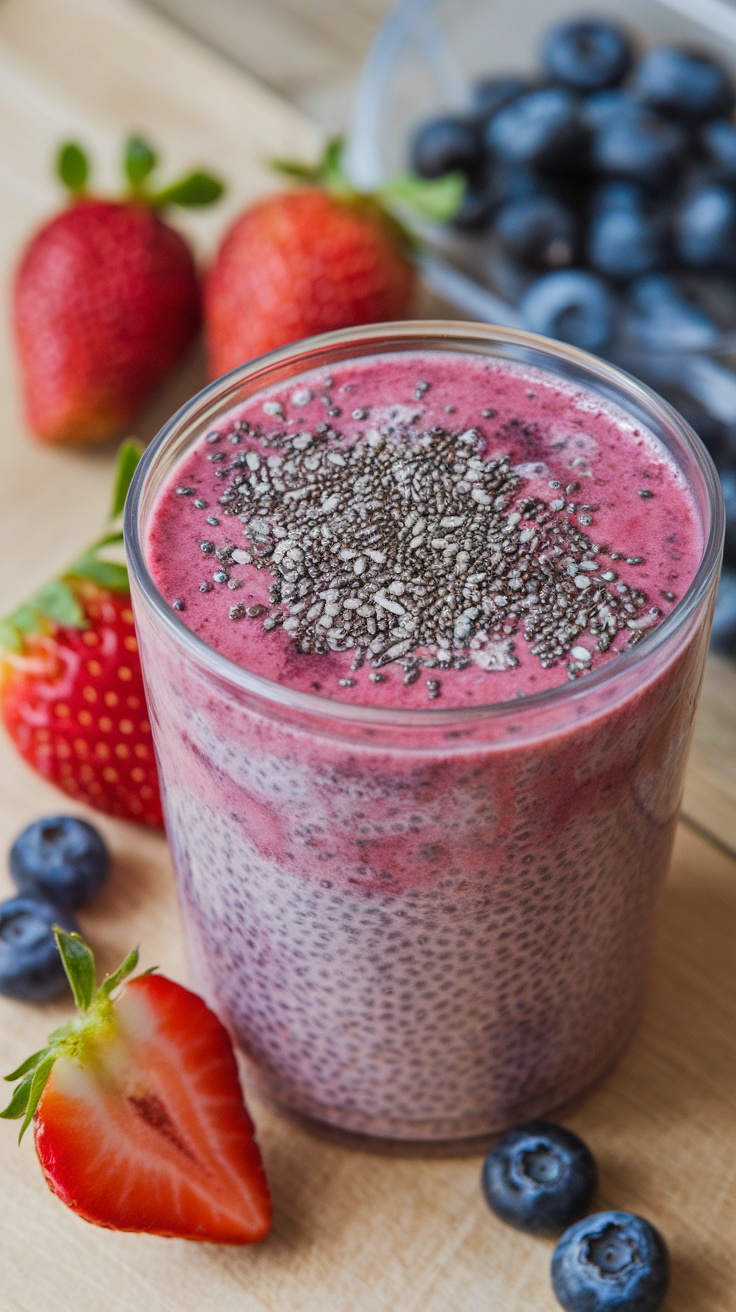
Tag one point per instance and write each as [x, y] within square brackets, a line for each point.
[327, 172]
[139, 160]
[27, 619]
[128, 457]
[299, 172]
[79, 964]
[437, 199]
[29, 1064]
[192, 191]
[11, 639]
[56, 602]
[38, 1083]
[73, 168]
[332, 166]
[111, 982]
[105, 573]
[19, 1101]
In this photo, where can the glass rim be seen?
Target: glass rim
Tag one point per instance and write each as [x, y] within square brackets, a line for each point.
[455, 335]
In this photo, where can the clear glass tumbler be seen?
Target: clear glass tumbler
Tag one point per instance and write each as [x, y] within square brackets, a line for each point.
[508, 973]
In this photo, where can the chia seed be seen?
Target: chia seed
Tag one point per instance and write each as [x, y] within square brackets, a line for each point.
[411, 547]
[179, 604]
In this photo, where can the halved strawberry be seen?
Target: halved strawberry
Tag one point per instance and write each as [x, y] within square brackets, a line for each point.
[138, 1113]
[71, 687]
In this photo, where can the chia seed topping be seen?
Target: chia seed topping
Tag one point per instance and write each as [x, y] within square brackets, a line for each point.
[407, 545]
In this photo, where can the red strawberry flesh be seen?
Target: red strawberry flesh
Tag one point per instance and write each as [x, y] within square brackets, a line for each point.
[150, 1132]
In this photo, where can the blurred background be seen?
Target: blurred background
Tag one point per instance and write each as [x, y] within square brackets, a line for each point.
[309, 52]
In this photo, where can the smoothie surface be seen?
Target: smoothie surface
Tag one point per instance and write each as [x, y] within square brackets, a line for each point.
[493, 531]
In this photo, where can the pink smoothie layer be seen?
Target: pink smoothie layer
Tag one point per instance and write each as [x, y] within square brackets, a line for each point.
[555, 438]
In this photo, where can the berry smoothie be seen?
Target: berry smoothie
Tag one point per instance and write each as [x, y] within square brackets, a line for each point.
[421, 782]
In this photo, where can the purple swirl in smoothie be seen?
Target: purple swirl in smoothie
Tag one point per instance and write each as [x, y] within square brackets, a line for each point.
[430, 930]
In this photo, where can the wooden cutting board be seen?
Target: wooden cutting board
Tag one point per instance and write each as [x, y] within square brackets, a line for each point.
[353, 1232]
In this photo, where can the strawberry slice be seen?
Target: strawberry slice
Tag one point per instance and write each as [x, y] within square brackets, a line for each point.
[138, 1114]
[71, 685]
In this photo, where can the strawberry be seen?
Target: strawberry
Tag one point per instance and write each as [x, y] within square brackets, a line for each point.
[106, 300]
[71, 688]
[138, 1114]
[313, 259]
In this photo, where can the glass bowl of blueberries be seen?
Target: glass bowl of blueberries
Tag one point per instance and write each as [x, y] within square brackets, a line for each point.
[598, 152]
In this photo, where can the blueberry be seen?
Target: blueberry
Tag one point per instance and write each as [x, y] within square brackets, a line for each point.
[539, 129]
[490, 187]
[625, 236]
[539, 232]
[718, 140]
[442, 145]
[705, 228]
[572, 305]
[642, 148]
[617, 194]
[478, 202]
[490, 94]
[586, 54]
[604, 106]
[611, 1262]
[540, 1178]
[30, 965]
[60, 858]
[665, 320]
[686, 83]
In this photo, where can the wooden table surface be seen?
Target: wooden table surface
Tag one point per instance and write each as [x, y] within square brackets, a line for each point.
[353, 1232]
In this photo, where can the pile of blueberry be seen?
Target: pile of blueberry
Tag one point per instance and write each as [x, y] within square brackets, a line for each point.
[616, 166]
[601, 200]
[57, 865]
[542, 1178]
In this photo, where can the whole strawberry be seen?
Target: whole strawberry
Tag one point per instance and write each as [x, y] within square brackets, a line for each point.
[106, 300]
[313, 259]
[71, 687]
[137, 1110]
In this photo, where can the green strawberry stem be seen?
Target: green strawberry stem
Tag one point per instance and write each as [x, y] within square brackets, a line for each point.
[195, 189]
[405, 198]
[95, 1018]
[56, 603]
